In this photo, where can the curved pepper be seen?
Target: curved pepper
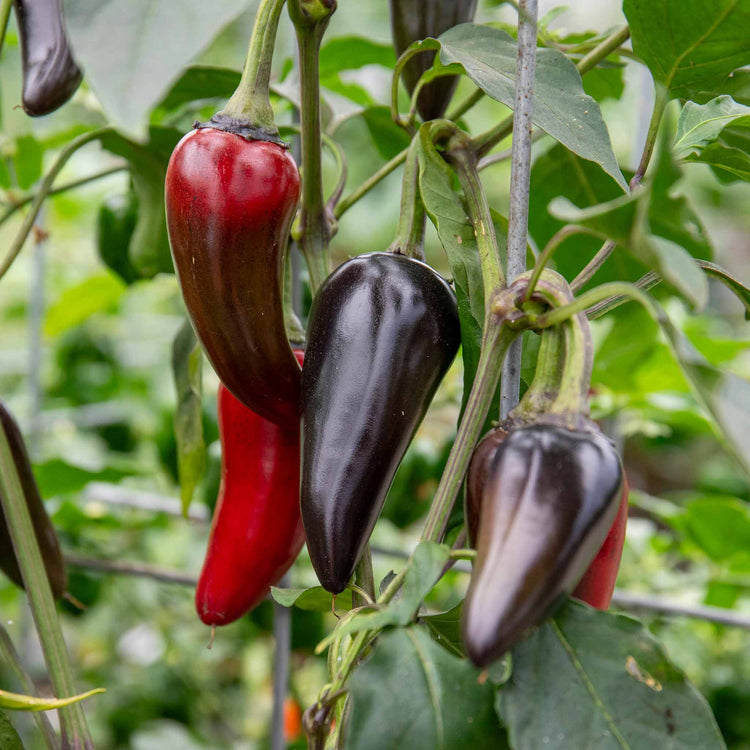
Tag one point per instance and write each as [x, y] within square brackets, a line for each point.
[412, 20]
[230, 203]
[383, 330]
[598, 582]
[50, 75]
[45, 532]
[115, 225]
[546, 496]
[256, 532]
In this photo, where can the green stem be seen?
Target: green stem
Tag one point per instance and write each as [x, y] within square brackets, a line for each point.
[251, 101]
[661, 99]
[370, 183]
[72, 720]
[646, 282]
[397, 71]
[463, 554]
[562, 378]
[43, 192]
[411, 223]
[363, 576]
[603, 50]
[310, 18]
[461, 109]
[588, 271]
[545, 256]
[26, 199]
[11, 657]
[464, 159]
[4, 18]
[591, 298]
[497, 339]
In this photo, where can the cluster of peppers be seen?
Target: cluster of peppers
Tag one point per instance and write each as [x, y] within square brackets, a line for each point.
[546, 502]
[543, 489]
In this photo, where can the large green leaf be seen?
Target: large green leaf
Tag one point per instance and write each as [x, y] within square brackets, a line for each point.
[200, 82]
[187, 364]
[589, 679]
[133, 50]
[728, 164]
[720, 526]
[314, 599]
[412, 693]
[446, 211]
[690, 45]
[561, 108]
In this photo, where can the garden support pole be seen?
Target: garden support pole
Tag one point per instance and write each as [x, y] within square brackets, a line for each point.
[518, 215]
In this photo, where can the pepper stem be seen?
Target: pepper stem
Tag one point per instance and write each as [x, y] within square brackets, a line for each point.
[310, 18]
[411, 224]
[251, 102]
[563, 371]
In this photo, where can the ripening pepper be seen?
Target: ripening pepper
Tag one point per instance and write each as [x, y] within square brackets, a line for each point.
[540, 501]
[256, 532]
[598, 582]
[412, 20]
[383, 330]
[50, 75]
[230, 203]
[46, 537]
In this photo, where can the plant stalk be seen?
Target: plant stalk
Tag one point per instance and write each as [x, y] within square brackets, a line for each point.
[310, 20]
[497, 339]
[73, 724]
[409, 239]
[520, 178]
[251, 101]
[4, 18]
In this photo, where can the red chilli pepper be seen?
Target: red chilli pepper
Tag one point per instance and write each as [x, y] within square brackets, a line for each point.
[598, 582]
[256, 532]
[230, 204]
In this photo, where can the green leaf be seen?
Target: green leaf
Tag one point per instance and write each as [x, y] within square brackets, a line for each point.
[689, 46]
[728, 164]
[739, 289]
[446, 211]
[720, 526]
[315, 599]
[132, 50]
[445, 628]
[561, 108]
[18, 702]
[9, 739]
[590, 679]
[187, 362]
[424, 569]
[27, 161]
[736, 84]
[78, 303]
[353, 53]
[701, 124]
[412, 693]
[561, 172]
[57, 477]
[149, 246]
[199, 82]
[389, 138]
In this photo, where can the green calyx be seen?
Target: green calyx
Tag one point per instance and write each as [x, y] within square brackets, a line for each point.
[311, 12]
[559, 391]
[248, 111]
